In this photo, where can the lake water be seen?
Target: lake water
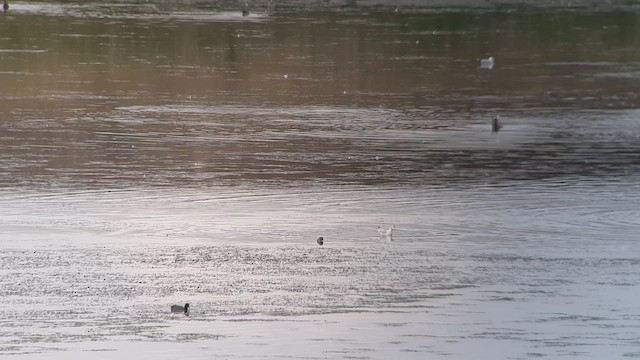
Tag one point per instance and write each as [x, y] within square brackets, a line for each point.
[154, 155]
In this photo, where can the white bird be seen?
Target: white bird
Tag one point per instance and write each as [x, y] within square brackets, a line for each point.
[487, 63]
[180, 309]
[386, 232]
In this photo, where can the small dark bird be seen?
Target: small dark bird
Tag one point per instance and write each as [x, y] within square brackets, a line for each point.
[320, 240]
[245, 12]
[180, 309]
[496, 124]
[5, 6]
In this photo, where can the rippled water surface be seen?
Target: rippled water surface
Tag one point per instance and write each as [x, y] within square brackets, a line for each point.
[152, 155]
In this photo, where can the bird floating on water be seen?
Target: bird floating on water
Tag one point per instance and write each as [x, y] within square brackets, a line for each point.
[386, 232]
[496, 124]
[487, 63]
[5, 6]
[320, 240]
[180, 309]
[245, 10]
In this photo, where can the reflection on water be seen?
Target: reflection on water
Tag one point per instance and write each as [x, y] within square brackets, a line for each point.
[113, 96]
[153, 155]
[549, 269]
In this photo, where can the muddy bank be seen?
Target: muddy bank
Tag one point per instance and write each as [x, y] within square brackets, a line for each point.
[424, 5]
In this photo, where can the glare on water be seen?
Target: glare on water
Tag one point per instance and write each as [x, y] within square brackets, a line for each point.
[154, 155]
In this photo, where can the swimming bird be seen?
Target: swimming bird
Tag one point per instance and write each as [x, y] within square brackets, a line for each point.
[180, 309]
[487, 63]
[386, 232]
[5, 6]
[320, 240]
[496, 124]
[245, 11]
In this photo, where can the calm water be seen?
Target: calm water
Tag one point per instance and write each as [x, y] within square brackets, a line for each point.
[109, 96]
[152, 155]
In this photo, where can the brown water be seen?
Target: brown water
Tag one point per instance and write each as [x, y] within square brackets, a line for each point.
[152, 155]
[99, 96]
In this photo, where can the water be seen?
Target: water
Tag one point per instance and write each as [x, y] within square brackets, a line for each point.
[155, 155]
